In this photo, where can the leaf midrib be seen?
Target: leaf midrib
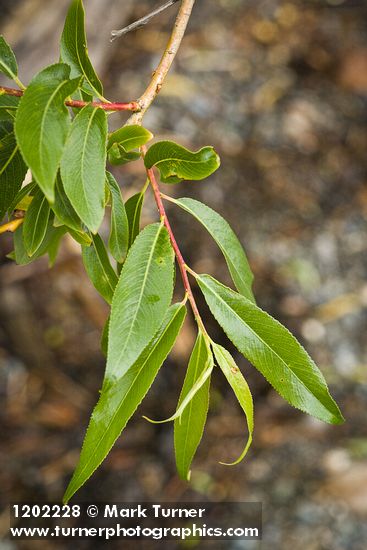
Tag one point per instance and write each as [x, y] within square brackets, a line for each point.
[173, 159]
[124, 141]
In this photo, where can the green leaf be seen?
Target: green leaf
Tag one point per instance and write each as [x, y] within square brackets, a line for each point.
[119, 401]
[272, 349]
[23, 193]
[141, 298]
[80, 237]
[8, 63]
[63, 208]
[36, 223]
[20, 254]
[99, 269]
[123, 141]
[130, 137]
[119, 235]
[117, 156]
[12, 172]
[74, 51]
[226, 240]
[83, 166]
[42, 124]
[133, 208]
[8, 106]
[54, 245]
[188, 429]
[176, 163]
[241, 391]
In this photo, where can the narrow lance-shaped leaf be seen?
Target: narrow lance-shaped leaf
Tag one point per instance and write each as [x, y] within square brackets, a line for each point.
[199, 383]
[74, 49]
[133, 208]
[36, 223]
[272, 349]
[12, 172]
[119, 401]
[141, 298]
[42, 124]
[118, 242]
[8, 63]
[176, 163]
[83, 166]
[241, 390]
[227, 241]
[188, 429]
[99, 269]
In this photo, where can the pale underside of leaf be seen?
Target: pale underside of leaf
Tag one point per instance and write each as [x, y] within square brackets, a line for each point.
[241, 390]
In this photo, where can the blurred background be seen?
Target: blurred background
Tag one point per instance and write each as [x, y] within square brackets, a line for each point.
[280, 89]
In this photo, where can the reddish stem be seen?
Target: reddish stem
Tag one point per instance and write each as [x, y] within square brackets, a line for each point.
[131, 106]
[180, 260]
[10, 91]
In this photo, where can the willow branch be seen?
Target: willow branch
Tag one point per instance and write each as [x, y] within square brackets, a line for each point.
[166, 61]
[143, 21]
[131, 106]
